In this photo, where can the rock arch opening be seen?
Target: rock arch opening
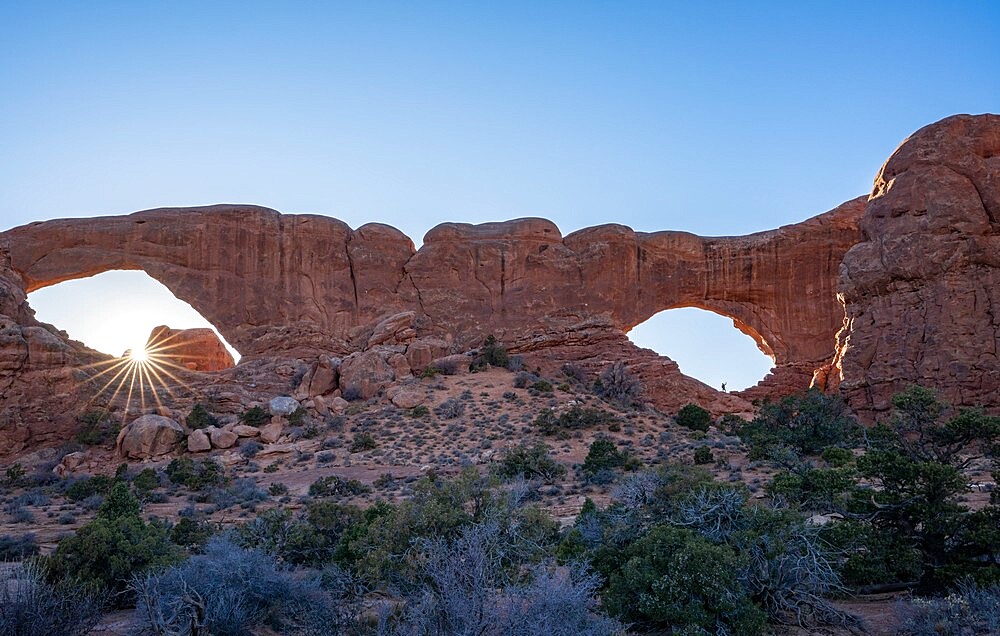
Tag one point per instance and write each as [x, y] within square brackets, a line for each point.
[706, 346]
[117, 311]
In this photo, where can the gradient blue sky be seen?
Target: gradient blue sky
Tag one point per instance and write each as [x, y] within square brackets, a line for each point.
[717, 118]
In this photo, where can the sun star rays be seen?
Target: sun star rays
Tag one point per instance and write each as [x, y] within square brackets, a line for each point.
[142, 373]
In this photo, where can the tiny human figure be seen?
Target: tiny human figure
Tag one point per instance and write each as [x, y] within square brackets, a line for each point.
[723, 386]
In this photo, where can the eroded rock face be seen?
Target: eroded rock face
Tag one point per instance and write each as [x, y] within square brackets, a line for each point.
[318, 308]
[922, 290]
[195, 349]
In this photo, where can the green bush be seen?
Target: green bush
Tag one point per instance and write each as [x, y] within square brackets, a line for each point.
[603, 455]
[807, 423]
[491, 354]
[530, 462]
[88, 486]
[200, 417]
[14, 476]
[542, 386]
[837, 457]
[297, 417]
[334, 485]
[255, 416]
[363, 441]
[191, 533]
[195, 475]
[703, 455]
[146, 481]
[420, 412]
[674, 578]
[105, 553]
[573, 419]
[694, 417]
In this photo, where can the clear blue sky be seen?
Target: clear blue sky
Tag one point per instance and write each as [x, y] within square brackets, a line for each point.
[717, 118]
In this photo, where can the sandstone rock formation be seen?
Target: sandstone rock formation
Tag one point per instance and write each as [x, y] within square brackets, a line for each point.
[922, 289]
[149, 436]
[354, 310]
[322, 310]
[196, 349]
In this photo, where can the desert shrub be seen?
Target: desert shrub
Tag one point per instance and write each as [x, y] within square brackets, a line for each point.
[298, 417]
[572, 419]
[694, 417]
[313, 538]
[524, 379]
[467, 588]
[352, 394]
[255, 416]
[242, 492]
[773, 558]
[334, 485]
[916, 466]
[94, 428]
[195, 475]
[191, 533]
[277, 489]
[107, 551]
[17, 548]
[674, 577]
[146, 481]
[420, 412]
[808, 423]
[870, 556]
[250, 447]
[363, 441]
[200, 417]
[816, 489]
[542, 386]
[382, 546]
[603, 455]
[968, 610]
[703, 455]
[618, 386]
[32, 606]
[85, 487]
[227, 591]
[450, 409]
[837, 457]
[530, 462]
[491, 354]
[14, 476]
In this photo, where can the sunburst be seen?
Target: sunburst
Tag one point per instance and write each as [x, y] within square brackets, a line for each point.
[141, 373]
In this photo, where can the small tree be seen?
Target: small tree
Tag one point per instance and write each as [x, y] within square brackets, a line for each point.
[703, 455]
[694, 417]
[603, 455]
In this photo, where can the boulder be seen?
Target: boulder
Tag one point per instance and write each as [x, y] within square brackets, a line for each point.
[242, 430]
[363, 375]
[283, 406]
[420, 353]
[149, 436]
[272, 431]
[320, 379]
[400, 366]
[409, 399]
[198, 441]
[395, 329]
[222, 438]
